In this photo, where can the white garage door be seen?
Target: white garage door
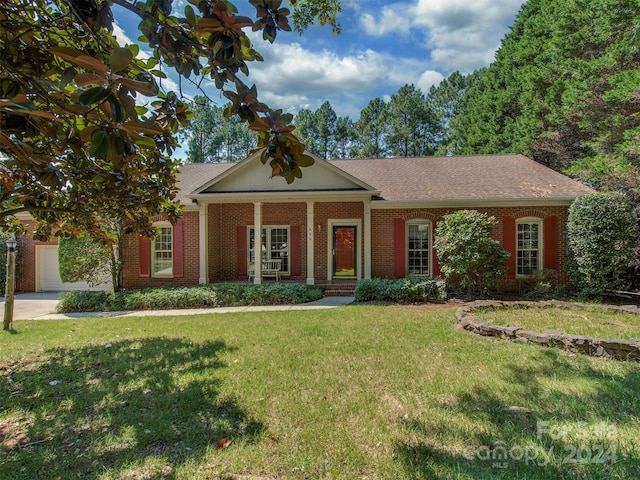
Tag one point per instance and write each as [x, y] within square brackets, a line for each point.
[47, 276]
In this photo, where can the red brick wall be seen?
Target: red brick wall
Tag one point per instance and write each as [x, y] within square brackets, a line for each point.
[223, 252]
[382, 245]
[131, 254]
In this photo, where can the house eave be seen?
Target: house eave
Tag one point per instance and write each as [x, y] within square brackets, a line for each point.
[473, 203]
[285, 197]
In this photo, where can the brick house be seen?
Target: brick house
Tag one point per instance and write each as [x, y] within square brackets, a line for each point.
[344, 220]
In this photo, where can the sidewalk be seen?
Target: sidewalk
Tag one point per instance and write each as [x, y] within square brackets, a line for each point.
[41, 306]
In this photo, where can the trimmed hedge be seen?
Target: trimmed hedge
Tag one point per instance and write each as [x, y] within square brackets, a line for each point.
[218, 295]
[404, 290]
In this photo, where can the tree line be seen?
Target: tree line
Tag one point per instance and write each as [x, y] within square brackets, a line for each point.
[409, 124]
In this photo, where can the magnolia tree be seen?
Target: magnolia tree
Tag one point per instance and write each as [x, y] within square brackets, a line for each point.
[86, 134]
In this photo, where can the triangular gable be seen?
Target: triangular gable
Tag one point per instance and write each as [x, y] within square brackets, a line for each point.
[250, 175]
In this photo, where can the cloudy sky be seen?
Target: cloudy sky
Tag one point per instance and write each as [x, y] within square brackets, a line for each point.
[383, 46]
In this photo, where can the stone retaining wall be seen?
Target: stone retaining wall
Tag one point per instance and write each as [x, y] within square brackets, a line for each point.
[599, 347]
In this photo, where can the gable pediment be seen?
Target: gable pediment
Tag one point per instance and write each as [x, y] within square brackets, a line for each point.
[251, 176]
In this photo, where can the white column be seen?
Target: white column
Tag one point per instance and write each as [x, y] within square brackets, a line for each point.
[257, 241]
[310, 244]
[367, 239]
[203, 243]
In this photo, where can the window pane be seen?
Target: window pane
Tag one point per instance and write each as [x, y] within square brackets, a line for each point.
[528, 248]
[275, 245]
[418, 252]
[162, 253]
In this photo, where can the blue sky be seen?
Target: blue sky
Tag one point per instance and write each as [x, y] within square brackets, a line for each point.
[383, 46]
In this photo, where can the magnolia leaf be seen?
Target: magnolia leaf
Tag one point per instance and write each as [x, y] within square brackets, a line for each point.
[305, 161]
[79, 58]
[146, 88]
[209, 25]
[142, 127]
[93, 95]
[120, 59]
[87, 133]
[84, 79]
[117, 111]
[190, 14]
[100, 144]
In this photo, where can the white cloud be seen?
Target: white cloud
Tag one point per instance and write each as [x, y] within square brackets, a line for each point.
[294, 71]
[460, 34]
[428, 79]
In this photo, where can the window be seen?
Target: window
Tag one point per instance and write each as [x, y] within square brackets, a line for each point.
[419, 248]
[528, 247]
[162, 252]
[275, 245]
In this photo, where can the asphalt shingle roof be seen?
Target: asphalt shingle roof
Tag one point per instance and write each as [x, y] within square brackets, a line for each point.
[473, 177]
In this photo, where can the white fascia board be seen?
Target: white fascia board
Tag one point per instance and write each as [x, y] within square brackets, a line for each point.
[472, 203]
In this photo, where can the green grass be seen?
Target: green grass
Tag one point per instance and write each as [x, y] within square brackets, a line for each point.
[584, 321]
[357, 392]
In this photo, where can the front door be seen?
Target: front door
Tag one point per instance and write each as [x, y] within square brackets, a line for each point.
[344, 251]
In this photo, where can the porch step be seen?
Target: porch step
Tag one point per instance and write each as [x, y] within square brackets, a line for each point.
[339, 289]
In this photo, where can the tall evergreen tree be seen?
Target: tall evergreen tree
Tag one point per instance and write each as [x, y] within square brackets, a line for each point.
[412, 124]
[212, 137]
[371, 129]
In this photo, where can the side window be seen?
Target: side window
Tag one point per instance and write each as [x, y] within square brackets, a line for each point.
[419, 248]
[162, 251]
[528, 246]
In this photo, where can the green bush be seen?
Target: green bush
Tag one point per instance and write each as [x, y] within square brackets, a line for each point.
[404, 290]
[214, 295]
[602, 232]
[468, 256]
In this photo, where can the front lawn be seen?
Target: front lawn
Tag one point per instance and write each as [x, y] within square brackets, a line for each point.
[377, 392]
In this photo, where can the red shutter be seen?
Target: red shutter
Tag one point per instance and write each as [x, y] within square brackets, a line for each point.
[144, 253]
[241, 249]
[399, 248]
[509, 243]
[435, 271]
[178, 249]
[550, 240]
[294, 250]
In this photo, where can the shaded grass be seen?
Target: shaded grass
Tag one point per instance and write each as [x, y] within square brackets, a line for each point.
[590, 322]
[355, 392]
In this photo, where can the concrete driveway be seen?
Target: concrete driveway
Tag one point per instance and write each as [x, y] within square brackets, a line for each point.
[30, 306]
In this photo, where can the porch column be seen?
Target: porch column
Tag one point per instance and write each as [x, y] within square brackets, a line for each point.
[367, 238]
[203, 242]
[257, 242]
[310, 244]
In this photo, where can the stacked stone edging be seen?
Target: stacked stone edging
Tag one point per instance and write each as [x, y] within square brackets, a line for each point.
[598, 347]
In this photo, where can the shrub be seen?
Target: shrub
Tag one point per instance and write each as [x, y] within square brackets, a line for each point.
[601, 237]
[404, 290]
[188, 297]
[468, 256]
[83, 259]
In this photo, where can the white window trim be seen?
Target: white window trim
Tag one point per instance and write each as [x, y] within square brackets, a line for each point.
[159, 225]
[540, 223]
[419, 221]
[269, 227]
